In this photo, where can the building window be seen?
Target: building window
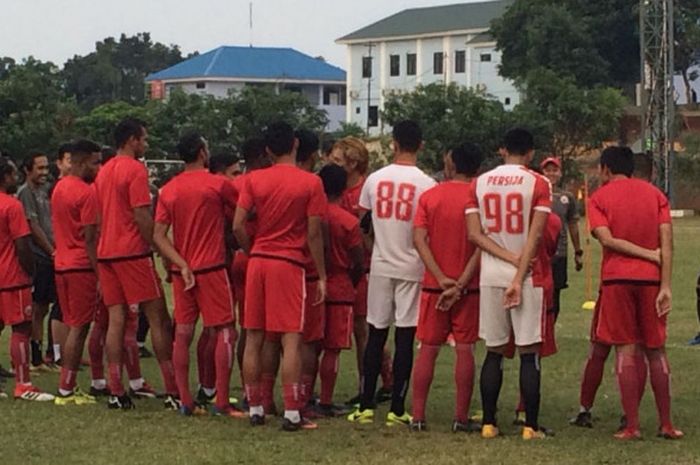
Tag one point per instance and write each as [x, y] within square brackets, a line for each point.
[485, 57]
[201, 85]
[373, 116]
[438, 62]
[333, 96]
[366, 67]
[394, 65]
[460, 61]
[358, 110]
[411, 64]
[507, 101]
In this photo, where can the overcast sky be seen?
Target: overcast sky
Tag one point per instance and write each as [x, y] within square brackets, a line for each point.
[56, 30]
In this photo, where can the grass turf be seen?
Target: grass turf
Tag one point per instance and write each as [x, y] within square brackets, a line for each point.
[43, 433]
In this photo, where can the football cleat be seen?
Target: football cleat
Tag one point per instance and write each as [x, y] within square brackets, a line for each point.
[289, 426]
[695, 341]
[257, 420]
[362, 417]
[583, 420]
[230, 411]
[393, 419]
[95, 392]
[670, 433]
[33, 393]
[307, 424]
[354, 402]
[627, 435]
[418, 426]
[489, 432]
[144, 392]
[171, 403]
[44, 368]
[120, 403]
[330, 410]
[6, 372]
[519, 419]
[531, 433]
[470, 426]
[76, 397]
[195, 410]
[203, 398]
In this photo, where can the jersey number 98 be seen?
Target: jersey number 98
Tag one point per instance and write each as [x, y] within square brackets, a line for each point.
[497, 212]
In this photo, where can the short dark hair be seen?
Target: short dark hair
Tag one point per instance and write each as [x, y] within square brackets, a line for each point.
[408, 135]
[327, 145]
[467, 158]
[7, 166]
[253, 150]
[63, 150]
[126, 129]
[334, 178]
[189, 146]
[221, 161]
[279, 138]
[108, 153]
[519, 141]
[643, 166]
[618, 159]
[83, 148]
[308, 144]
[28, 162]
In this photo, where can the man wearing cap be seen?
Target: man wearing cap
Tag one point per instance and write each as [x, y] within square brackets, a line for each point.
[564, 205]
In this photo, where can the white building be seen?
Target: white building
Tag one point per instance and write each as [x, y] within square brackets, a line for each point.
[226, 69]
[448, 44]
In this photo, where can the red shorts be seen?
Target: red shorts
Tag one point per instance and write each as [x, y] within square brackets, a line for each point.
[78, 297]
[212, 296]
[314, 321]
[549, 342]
[16, 306]
[129, 281]
[360, 307]
[627, 315]
[275, 293]
[339, 325]
[462, 320]
[239, 265]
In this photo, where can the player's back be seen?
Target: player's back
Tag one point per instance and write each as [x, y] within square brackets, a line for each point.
[633, 210]
[72, 202]
[283, 197]
[441, 212]
[121, 185]
[506, 199]
[13, 225]
[198, 203]
[392, 194]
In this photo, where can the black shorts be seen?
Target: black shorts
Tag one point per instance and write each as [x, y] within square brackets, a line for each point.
[44, 282]
[560, 273]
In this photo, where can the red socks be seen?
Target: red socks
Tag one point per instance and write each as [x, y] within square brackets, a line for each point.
[422, 378]
[660, 374]
[254, 395]
[19, 353]
[67, 380]
[225, 339]
[305, 390]
[628, 382]
[96, 345]
[116, 388]
[181, 362]
[593, 374]
[131, 348]
[267, 392]
[291, 393]
[464, 380]
[641, 373]
[329, 374]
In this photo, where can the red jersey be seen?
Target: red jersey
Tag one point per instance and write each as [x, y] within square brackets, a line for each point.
[542, 272]
[441, 213]
[633, 210]
[344, 232]
[196, 204]
[73, 207]
[350, 200]
[237, 184]
[121, 185]
[13, 225]
[283, 197]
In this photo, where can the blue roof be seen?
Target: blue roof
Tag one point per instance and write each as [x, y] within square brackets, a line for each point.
[252, 63]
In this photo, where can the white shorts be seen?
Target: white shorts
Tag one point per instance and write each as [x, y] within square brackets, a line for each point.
[392, 301]
[526, 322]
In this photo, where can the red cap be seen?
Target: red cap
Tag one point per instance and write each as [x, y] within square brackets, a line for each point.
[547, 161]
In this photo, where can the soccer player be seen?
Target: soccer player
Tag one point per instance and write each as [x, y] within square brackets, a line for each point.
[195, 204]
[352, 154]
[225, 164]
[74, 219]
[391, 195]
[289, 204]
[345, 268]
[564, 205]
[128, 277]
[631, 219]
[506, 215]
[451, 264]
[35, 200]
[16, 269]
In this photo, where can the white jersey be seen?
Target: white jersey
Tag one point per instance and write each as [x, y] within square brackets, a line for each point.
[505, 199]
[392, 195]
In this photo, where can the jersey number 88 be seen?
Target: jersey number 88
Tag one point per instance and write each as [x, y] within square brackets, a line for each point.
[393, 202]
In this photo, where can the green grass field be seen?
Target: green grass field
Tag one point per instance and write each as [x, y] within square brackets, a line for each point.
[46, 434]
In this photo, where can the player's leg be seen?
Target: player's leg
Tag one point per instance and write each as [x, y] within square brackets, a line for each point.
[96, 343]
[161, 337]
[337, 337]
[465, 330]
[590, 381]
[59, 331]
[114, 347]
[628, 383]
[255, 320]
[39, 312]
[360, 333]
[271, 351]
[314, 325]
[206, 365]
[184, 333]
[137, 385]
[385, 392]
[141, 334]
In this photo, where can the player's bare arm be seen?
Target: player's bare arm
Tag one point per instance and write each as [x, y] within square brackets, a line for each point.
[315, 241]
[513, 295]
[24, 254]
[450, 296]
[420, 241]
[485, 243]
[664, 300]
[40, 238]
[357, 265]
[576, 241]
[167, 249]
[144, 221]
[239, 231]
[90, 233]
[606, 239]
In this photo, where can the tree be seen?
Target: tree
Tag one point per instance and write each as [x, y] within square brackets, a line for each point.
[99, 124]
[116, 70]
[687, 38]
[449, 115]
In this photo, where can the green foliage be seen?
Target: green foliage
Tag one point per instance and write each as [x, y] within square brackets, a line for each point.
[687, 38]
[349, 130]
